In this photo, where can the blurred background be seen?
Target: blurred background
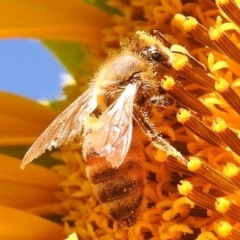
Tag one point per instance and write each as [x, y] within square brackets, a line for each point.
[27, 68]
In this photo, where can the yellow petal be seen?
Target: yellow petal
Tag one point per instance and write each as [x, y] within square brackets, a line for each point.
[22, 120]
[16, 224]
[79, 34]
[31, 188]
[72, 20]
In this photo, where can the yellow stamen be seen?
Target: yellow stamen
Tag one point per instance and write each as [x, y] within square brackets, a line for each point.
[222, 205]
[194, 164]
[223, 229]
[219, 125]
[221, 85]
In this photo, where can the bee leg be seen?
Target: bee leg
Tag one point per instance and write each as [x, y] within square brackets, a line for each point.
[161, 101]
[155, 136]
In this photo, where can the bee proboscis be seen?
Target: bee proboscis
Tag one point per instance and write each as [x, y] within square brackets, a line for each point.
[121, 91]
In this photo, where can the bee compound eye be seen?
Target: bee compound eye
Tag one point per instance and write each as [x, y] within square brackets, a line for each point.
[156, 56]
[153, 54]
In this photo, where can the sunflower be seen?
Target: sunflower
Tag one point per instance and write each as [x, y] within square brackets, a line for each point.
[196, 200]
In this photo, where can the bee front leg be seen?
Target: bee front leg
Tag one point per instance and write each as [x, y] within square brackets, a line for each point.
[155, 136]
[160, 101]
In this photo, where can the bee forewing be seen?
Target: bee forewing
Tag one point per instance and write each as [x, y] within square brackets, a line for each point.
[113, 135]
[65, 127]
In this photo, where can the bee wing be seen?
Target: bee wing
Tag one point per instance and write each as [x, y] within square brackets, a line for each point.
[112, 135]
[65, 127]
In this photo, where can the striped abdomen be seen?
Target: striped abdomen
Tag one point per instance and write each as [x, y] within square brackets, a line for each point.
[120, 189]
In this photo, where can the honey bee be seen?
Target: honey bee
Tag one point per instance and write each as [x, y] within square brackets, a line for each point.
[122, 90]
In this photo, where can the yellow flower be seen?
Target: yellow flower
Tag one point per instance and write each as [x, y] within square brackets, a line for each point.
[29, 201]
[74, 21]
[24, 195]
[199, 200]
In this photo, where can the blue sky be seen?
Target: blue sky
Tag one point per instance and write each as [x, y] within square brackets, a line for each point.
[28, 69]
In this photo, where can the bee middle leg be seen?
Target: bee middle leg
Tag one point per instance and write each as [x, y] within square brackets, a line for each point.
[148, 127]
